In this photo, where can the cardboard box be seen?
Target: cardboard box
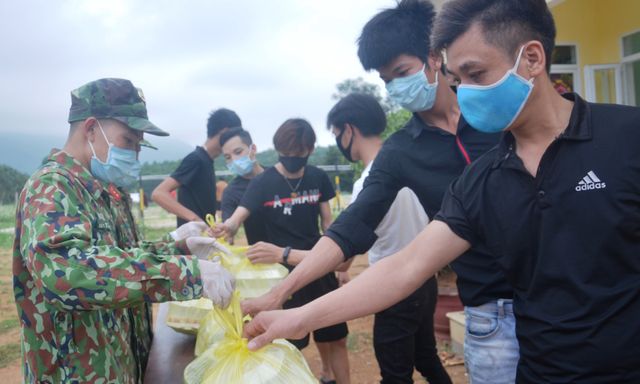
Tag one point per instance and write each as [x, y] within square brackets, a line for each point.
[457, 330]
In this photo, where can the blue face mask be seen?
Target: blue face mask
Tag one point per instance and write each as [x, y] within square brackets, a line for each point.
[242, 166]
[413, 92]
[122, 167]
[493, 108]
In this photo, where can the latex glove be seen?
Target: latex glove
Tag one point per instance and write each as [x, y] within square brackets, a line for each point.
[192, 228]
[202, 247]
[218, 284]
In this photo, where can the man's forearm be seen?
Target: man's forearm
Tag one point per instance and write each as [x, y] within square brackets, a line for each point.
[387, 281]
[322, 259]
[171, 205]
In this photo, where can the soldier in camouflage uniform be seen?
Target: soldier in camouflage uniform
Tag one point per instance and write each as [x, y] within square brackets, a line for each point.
[83, 279]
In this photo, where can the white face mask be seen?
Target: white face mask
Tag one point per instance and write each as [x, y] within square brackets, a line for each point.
[414, 92]
[122, 167]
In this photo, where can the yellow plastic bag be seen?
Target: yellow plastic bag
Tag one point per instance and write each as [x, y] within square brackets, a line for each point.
[252, 280]
[230, 361]
[185, 316]
[209, 333]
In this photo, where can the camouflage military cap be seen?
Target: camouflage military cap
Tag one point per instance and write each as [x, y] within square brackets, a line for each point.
[146, 143]
[114, 99]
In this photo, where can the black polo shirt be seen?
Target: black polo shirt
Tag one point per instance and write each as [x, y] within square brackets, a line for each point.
[254, 225]
[197, 180]
[426, 159]
[569, 243]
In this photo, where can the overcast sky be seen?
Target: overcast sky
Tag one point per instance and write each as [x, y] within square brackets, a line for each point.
[267, 60]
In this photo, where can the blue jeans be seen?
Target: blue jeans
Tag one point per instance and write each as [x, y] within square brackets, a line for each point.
[491, 349]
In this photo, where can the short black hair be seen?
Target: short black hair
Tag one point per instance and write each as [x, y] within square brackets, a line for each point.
[294, 136]
[233, 132]
[506, 24]
[360, 110]
[405, 29]
[220, 119]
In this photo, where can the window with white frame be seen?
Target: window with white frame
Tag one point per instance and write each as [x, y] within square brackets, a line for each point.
[565, 73]
[631, 68]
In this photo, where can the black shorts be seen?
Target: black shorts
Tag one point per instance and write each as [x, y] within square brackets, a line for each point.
[310, 292]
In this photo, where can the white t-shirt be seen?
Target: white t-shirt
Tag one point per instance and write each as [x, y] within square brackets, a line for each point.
[402, 223]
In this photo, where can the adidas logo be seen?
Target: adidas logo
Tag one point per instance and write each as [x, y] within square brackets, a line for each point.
[589, 182]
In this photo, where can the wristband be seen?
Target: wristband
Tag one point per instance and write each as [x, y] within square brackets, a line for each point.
[285, 255]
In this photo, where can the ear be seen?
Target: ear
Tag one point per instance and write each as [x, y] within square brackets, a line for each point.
[435, 61]
[89, 128]
[354, 130]
[533, 59]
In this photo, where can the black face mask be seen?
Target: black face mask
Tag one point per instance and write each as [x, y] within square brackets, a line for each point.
[293, 163]
[346, 152]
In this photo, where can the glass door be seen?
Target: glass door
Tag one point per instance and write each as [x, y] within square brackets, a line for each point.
[632, 83]
[604, 83]
[631, 68]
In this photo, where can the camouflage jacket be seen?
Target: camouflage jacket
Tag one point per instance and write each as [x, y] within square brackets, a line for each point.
[83, 280]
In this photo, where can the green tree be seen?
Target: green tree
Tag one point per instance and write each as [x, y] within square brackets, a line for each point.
[11, 182]
[267, 158]
[359, 85]
[395, 121]
[159, 168]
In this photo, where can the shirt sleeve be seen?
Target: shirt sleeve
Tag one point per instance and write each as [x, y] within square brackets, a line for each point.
[252, 198]
[454, 213]
[187, 171]
[327, 192]
[354, 229]
[166, 246]
[64, 248]
[230, 200]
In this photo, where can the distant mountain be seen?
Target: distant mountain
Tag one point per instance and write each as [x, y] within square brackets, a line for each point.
[168, 149]
[25, 152]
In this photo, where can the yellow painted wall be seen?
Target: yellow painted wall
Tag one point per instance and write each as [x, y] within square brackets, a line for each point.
[597, 26]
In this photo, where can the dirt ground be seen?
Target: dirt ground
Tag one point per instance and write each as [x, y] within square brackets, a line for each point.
[9, 336]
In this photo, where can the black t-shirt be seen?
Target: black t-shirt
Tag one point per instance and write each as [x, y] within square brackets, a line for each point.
[254, 226]
[426, 159]
[569, 243]
[290, 221]
[197, 180]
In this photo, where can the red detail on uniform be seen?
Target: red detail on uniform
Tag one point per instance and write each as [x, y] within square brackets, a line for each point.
[463, 151]
[113, 191]
[120, 294]
[62, 285]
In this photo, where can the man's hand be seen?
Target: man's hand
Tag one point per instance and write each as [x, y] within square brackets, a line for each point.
[218, 284]
[271, 325]
[265, 253]
[190, 229]
[226, 229]
[202, 247]
[268, 301]
[343, 277]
